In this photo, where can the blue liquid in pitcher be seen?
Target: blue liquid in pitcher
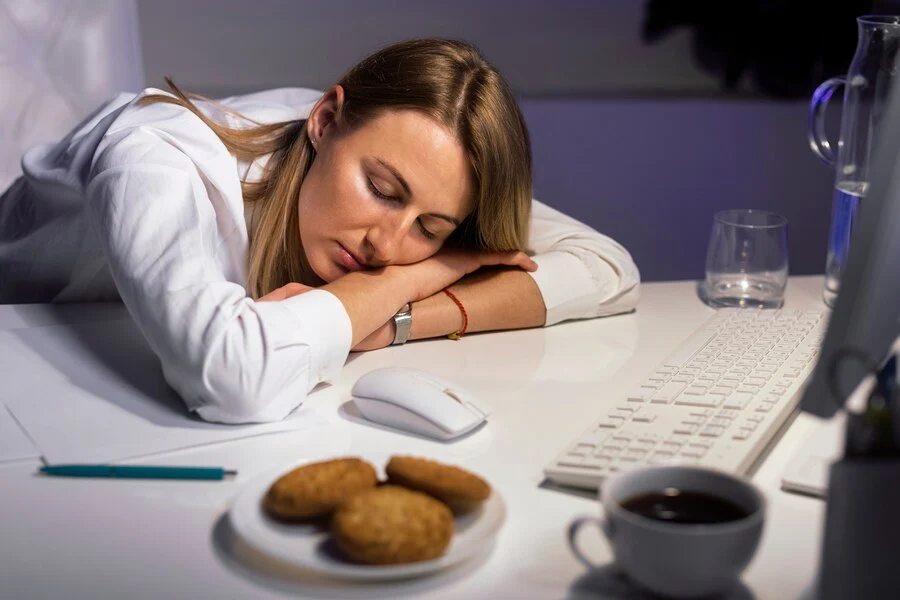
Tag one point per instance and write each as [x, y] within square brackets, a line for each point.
[847, 196]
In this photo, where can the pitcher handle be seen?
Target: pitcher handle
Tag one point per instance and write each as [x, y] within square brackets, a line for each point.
[818, 140]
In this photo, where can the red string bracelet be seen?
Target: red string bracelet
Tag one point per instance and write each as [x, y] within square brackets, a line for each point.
[458, 334]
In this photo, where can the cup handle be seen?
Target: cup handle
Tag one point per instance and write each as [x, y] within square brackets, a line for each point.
[818, 140]
[602, 524]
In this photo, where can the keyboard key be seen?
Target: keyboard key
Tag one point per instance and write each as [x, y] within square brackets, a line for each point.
[633, 454]
[642, 394]
[668, 392]
[645, 417]
[610, 423]
[693, 452]
[594, 438]
[702, 412]
[606, 452]
[738, 400]
[596, 462]
[581, 450]
[671, 446]
[712, 431]
[705, 400]
[572, 461]
[643, 445]
[686, 429]
[615, 445]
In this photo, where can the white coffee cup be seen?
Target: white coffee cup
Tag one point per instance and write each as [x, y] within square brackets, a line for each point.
[681, 560]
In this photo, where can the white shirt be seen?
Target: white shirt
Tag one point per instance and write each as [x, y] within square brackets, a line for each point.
[144, 204]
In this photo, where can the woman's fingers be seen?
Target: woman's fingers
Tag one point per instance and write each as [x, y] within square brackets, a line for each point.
[512, 259]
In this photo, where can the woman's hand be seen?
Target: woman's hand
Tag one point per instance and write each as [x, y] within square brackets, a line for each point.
[285, 292]
[445, 268]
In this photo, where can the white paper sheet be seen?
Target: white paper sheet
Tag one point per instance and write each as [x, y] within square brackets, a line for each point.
[14, 443]
[807, 471]
[94, 392]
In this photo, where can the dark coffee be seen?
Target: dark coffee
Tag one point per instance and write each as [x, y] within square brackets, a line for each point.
[673, 505]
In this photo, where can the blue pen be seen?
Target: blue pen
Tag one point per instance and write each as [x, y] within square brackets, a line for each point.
[137, 471]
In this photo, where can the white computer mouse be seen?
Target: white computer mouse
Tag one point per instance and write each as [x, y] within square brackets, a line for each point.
[417, 402]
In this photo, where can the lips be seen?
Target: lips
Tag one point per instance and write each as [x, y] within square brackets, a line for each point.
[348, 260]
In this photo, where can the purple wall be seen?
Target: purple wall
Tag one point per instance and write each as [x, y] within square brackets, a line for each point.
[651, 173]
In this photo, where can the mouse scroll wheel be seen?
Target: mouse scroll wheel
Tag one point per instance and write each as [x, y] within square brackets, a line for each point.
[453, 395]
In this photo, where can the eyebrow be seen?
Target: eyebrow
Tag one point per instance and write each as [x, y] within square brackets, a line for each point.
[408, 191]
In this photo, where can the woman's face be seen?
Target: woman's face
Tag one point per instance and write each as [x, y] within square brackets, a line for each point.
[390, 192]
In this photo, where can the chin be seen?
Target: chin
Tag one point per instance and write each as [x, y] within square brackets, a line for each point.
[328, 274]
[324, 269]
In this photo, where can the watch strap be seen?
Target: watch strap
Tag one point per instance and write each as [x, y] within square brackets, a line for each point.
[402, 324]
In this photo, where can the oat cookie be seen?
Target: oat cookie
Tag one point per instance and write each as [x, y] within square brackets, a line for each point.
[459, 488]
[391, 525]
[317, 489]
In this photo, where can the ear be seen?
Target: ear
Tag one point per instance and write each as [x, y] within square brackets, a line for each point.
[326, 114]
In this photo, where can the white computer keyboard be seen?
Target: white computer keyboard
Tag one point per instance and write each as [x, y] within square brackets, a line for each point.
[716, 401]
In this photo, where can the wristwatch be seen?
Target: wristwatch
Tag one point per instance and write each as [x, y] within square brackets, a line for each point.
[402, 324]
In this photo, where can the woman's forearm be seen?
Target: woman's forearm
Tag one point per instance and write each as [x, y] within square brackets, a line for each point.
[371, 298]
[494, 299]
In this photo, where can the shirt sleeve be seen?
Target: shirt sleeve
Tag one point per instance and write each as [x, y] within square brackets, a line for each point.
[232, 360]
[581, 272]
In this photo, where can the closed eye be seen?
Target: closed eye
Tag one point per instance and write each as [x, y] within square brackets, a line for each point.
[374, 189]
[379, 193]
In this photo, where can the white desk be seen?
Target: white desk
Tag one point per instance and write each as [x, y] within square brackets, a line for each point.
[67, 538]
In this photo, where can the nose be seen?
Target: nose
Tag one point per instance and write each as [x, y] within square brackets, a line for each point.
[386, 237]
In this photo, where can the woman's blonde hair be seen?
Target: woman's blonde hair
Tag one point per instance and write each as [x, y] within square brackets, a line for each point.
[449, 81]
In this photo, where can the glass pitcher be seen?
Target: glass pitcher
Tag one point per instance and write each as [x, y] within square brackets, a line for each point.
[866, 88]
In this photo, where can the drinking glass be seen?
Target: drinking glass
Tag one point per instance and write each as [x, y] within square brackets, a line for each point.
[747, 259]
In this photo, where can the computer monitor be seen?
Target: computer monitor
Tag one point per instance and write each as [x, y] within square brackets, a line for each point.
[866, 316]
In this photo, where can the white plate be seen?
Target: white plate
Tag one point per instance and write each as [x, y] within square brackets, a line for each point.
[311, 547]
